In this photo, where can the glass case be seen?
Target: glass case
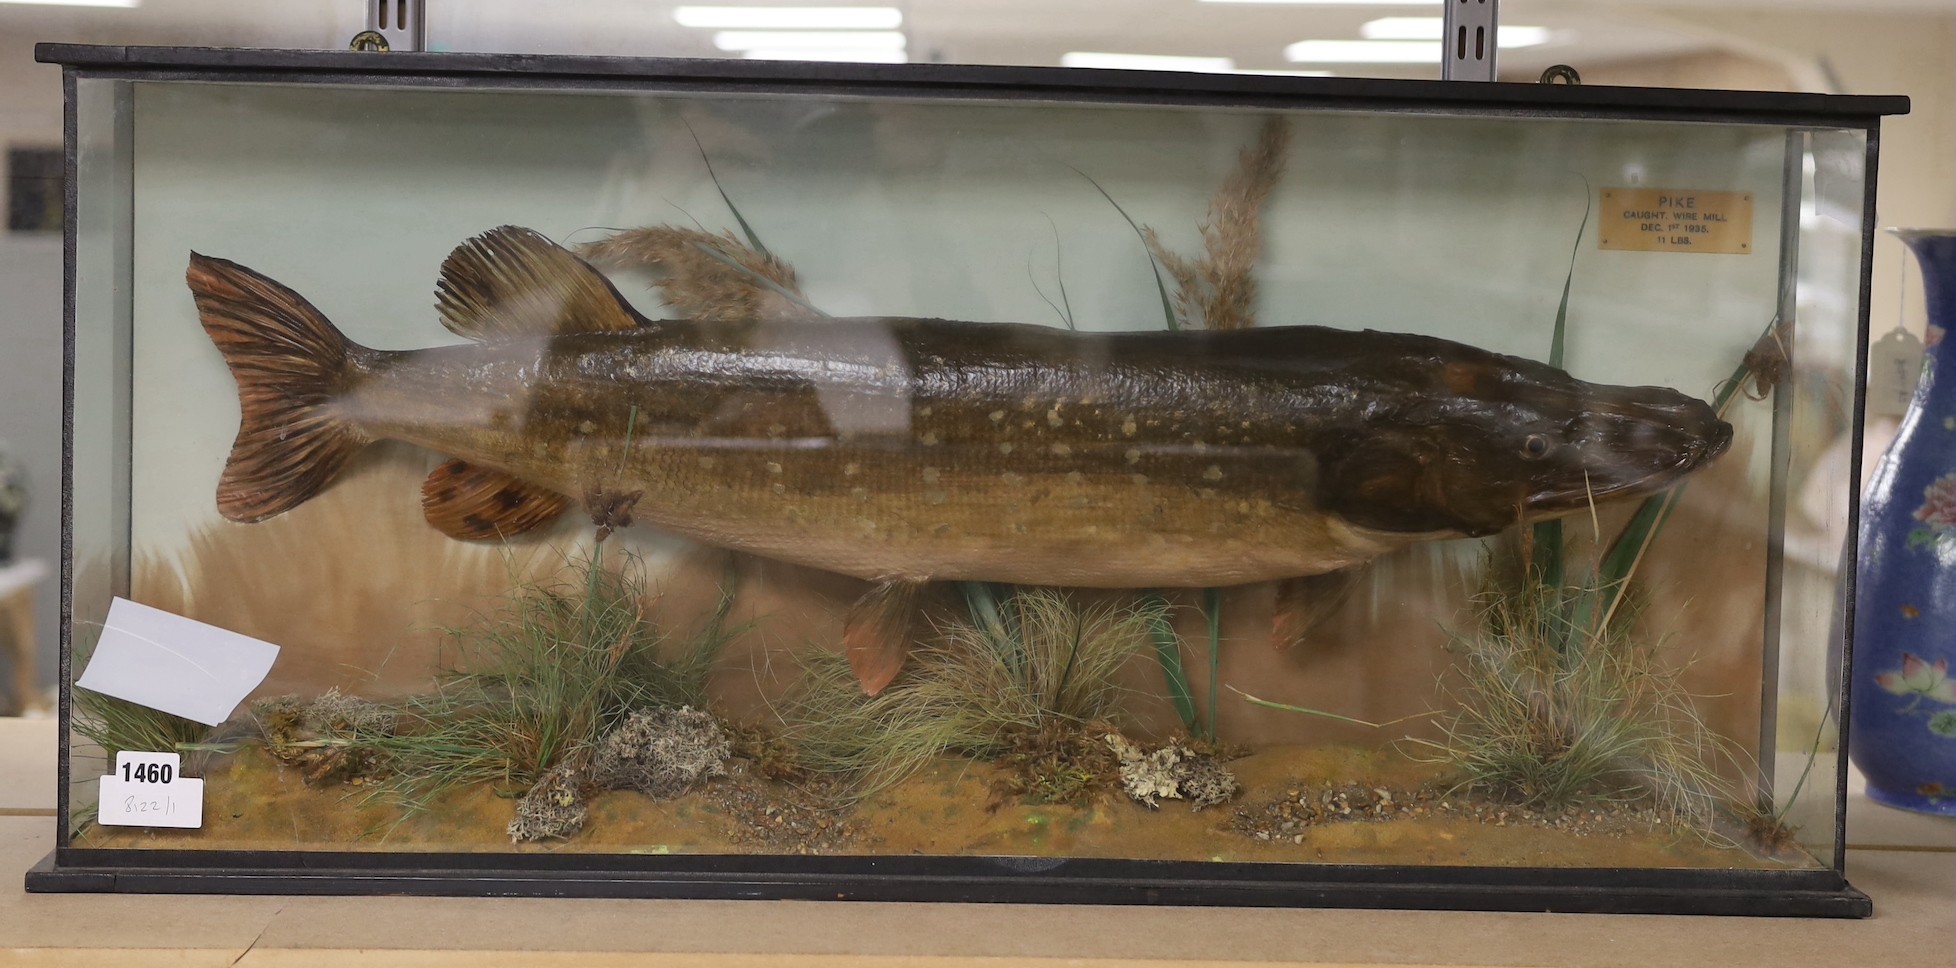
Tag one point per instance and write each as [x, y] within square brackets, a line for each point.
[596, 476]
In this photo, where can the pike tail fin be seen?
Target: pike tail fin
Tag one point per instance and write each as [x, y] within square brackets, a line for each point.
[290, 364]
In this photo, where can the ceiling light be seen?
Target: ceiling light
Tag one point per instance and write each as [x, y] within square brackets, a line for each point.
[79, 3]
[1519, 36]
[1363, 52]
[1430, 28]
[809, 40]
[854, 56]
[789, 18]
[1146, 62]
[1403, 28]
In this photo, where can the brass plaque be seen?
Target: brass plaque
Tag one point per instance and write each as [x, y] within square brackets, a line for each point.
[1676, 220]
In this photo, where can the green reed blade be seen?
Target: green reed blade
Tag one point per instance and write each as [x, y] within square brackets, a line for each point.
[983, 599]
[1308, 711]
[1548, 558]
[1167, 307]
[1064, 308]
[1628, 548]
[1168, 654]
[1813, 755]
[1212, 607]
[745, 229]
[1559, 342]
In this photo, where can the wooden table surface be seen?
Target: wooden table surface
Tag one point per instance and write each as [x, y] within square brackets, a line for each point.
[1909, 870]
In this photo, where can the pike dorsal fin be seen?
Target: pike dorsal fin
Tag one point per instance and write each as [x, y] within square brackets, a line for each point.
[511, 282]
[474, 503]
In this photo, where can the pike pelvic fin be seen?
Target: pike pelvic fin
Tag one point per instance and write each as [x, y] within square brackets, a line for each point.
[1305, 603]
[876, 634]
[511, 282]
[290, 364]
[474, 503]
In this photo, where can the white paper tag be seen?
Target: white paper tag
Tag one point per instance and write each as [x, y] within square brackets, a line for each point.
[148, 790]
[178, 665]
[1894, 368]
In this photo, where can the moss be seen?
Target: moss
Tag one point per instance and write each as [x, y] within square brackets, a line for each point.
[328, 739]
[1061, 762]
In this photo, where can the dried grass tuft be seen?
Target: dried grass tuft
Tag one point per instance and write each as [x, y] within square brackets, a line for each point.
[325, 582]
[538, 682]
[980, 689]
[1217, 290]
[706, 276]
[1557, 707]
[118, 725]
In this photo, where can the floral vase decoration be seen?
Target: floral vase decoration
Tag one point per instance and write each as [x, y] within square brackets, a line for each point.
[13, 501]
[1902, 725]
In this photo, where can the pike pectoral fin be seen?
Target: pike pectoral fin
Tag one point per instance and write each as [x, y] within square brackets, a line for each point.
[474, 503]
[511, 282]
[877, 633]
[1305, 603]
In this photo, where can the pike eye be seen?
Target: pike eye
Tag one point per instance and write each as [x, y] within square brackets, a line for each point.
[1535, 447]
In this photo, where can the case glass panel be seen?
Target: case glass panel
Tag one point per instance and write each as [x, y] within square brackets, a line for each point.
[1235, 545]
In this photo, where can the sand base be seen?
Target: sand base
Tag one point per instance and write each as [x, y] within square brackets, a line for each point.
[1299, 805]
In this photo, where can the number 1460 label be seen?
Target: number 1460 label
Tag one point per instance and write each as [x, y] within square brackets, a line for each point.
[149, 790]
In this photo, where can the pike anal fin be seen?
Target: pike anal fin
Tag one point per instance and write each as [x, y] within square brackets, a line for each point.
[474, 503]
[1305, 603]
[876, 635]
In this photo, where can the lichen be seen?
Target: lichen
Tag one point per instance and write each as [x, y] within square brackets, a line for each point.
[554, 809]
[661, 753]
[1205, 781]
[1171, 771]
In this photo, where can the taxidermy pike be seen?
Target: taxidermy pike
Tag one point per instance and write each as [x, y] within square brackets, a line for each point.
[904, 451]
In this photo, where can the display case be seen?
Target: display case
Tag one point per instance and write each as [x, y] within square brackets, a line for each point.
[583, 476]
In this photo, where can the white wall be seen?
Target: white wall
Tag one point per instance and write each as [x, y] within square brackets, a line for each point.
[1866, 53]
[30, 266]
[30, 333]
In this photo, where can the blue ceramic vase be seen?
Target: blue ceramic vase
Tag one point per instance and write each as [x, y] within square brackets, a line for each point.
[1902, 732]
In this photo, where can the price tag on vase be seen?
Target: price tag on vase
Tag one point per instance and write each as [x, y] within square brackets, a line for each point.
[1894, 368]
[150, 790]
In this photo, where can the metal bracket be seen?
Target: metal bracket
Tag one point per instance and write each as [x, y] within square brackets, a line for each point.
[1470, 40]
[394, 25]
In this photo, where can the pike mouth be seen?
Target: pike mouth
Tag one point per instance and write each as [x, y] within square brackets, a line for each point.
[1697, 450]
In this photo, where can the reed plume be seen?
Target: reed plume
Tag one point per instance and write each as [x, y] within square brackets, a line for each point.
[1217, 290]
[702, 275]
